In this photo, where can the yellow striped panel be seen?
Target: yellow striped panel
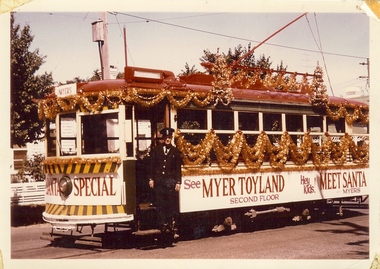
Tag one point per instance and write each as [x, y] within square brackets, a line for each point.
[97, 168]
[109, 209]
[83, 168]
[83, 210]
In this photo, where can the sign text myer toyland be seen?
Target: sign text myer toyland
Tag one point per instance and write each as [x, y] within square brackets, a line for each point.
[240, 190]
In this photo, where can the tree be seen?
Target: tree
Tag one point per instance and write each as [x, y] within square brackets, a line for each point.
[26, 86]
[188, 70]
[31, 168]
[249, 60]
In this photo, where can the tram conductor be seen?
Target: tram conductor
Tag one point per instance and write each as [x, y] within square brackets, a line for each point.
[166, 178]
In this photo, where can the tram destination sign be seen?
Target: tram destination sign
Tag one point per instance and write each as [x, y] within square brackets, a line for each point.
[209, 192]
[65, 90]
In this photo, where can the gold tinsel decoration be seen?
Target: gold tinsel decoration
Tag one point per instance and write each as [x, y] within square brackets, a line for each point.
[221, 91]
[77, 160]
[237, 148]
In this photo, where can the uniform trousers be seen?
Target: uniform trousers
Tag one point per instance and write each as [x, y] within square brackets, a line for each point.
[166, 202]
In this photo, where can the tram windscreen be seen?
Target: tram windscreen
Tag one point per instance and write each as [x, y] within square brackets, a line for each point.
[100, 133]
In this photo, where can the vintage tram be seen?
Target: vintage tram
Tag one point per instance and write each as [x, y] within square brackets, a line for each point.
[254, 142]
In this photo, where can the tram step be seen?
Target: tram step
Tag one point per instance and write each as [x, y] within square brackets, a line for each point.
[147, 232]
[95, 241]
[90, 238]
[89, 241]
[49, 237]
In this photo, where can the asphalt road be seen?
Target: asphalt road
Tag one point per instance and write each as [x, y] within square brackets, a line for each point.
[334, 241]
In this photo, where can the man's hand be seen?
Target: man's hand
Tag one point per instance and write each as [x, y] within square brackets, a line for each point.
[177, 187]
[151, 184]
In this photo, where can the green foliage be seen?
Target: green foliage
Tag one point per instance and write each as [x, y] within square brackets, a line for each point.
[238, 52]
[188, 70]
[32, 168]
[26, 86]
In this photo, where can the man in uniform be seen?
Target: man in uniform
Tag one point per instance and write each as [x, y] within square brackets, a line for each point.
[166, 178]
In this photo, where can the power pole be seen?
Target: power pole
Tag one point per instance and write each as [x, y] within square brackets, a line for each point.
[105, 57]
[367, 77]
[100, 35]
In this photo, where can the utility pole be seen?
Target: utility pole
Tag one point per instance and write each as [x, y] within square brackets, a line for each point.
[106, 65]
[125, 46]
[367, 77]
[100, 35]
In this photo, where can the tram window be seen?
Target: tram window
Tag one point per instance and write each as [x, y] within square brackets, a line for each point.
[294, 123]
[192, 119]
[359, 128]
[222, 120]
[225, 138]
[144, 134]
[272, 122]
[336, 126]
[51, 138]
[251, 139]
[194, 139]
[248, 121]
[68, 134]
[100, 133]
[314, 123]
[128, 117]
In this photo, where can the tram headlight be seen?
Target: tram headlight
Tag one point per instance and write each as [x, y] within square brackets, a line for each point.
[65, 185]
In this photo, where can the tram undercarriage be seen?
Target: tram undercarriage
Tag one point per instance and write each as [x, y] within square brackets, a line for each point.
[142, 233]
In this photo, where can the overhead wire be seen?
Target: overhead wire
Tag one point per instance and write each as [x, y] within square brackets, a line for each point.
[222, 35]
[73, 38]
[121, 32]
[319, 46]
[145, 19]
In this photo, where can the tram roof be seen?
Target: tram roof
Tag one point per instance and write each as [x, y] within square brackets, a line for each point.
[202, 83]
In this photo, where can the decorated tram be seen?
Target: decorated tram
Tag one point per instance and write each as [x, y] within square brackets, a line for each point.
[254, 142]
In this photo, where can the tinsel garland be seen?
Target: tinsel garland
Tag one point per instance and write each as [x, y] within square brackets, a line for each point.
[277, 155]
[93, 102]
[350, 118]
[223, 80]
[96, 101]
[224, 77]
[318, 97]
[77, 160]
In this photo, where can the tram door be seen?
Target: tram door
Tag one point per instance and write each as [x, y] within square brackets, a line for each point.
[148, 123]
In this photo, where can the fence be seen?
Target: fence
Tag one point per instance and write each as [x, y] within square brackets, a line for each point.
[28, 193]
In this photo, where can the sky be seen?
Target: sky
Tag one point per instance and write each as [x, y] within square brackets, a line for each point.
[338, 42]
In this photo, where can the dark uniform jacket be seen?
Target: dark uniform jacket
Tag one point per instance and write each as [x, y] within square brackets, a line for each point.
[165, 167]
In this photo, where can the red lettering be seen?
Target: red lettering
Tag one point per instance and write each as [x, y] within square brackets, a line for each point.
[93, 186]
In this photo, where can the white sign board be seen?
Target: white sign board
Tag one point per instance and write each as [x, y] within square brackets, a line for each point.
[209, 192]
[87, 189]
[65, 90]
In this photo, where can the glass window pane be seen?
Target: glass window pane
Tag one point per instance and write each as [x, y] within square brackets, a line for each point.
[294, 123]
[68, 133]
[100, 133]
[222, 120]
[51, 138]
[360, 128]
[336, 126]
[192, 119]
[248, 121]
[314, 123]
[272, 122]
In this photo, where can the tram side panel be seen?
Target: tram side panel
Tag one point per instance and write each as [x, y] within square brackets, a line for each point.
[227, 191]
